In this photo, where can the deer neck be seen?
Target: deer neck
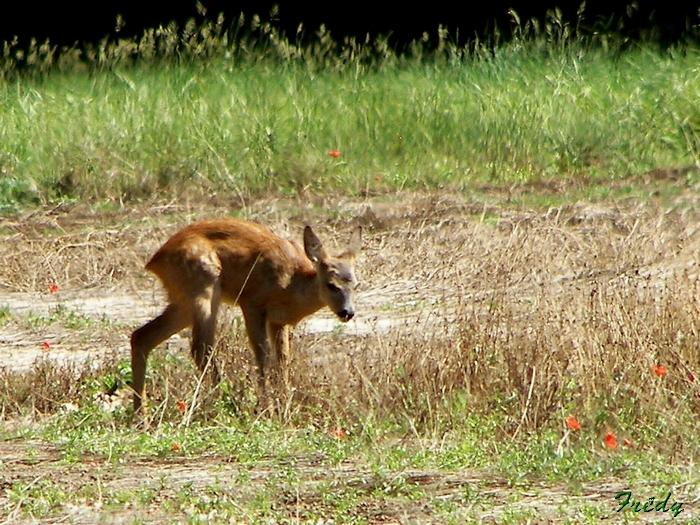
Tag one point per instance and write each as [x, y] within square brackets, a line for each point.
[306, 290]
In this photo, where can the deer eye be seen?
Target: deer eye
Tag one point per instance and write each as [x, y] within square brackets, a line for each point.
[333, 288]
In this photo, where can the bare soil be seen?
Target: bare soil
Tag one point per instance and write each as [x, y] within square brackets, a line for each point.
[422, 254]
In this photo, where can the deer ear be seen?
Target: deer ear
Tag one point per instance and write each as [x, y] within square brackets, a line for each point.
[313, 247]
[354, 244]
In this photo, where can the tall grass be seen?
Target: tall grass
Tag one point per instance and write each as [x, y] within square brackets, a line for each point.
[204, 110]
[515, 320]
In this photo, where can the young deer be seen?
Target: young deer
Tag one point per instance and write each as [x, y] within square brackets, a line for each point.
[275, 283]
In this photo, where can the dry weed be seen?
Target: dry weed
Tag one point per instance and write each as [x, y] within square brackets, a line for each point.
[464, 308]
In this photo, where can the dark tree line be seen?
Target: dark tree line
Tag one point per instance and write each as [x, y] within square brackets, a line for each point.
[65, 23]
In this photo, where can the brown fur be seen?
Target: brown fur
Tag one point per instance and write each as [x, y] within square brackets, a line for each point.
[273, 280]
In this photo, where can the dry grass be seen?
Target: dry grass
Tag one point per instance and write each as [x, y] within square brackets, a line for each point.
[465, 308]
[533, 315]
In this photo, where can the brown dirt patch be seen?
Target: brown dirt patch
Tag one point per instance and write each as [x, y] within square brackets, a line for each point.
[419, 251]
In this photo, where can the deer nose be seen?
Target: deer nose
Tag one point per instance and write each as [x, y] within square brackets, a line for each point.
[345, 315]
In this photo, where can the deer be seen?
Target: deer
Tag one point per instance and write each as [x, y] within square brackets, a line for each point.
[275, 283]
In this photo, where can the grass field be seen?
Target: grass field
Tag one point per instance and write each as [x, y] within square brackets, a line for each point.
[525, 346]
[262, 115]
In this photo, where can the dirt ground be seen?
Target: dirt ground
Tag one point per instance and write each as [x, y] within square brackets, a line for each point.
[419, 251]
[485, 497]
[166, 477]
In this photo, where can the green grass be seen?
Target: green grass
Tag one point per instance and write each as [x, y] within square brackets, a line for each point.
[60, 315]
[532, 109]
[456, 440]
[382, 468]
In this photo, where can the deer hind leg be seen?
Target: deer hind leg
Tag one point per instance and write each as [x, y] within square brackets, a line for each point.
[204, 311]
[145, 339]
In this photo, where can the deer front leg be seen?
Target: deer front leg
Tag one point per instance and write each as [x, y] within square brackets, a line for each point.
[279, 335]
[255, 323]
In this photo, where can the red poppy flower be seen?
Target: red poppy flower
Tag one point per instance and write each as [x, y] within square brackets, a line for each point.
[176, 447]
[610, 440]
[181, 405]
[573, 423]
[659, 370]
[691, 377]
[45, 345]
[334, 153]
[52, 288]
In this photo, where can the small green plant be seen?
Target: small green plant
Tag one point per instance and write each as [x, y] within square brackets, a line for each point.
[5, 315]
